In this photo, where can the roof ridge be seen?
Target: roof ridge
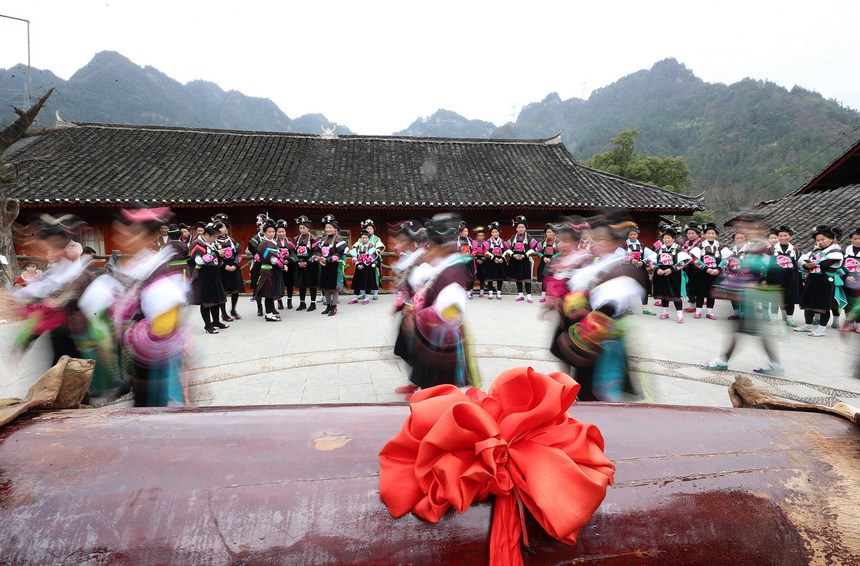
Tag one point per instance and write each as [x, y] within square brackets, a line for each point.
[696, 198]
[554, 140]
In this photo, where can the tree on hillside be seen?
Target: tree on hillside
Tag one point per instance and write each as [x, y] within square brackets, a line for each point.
[670, 173]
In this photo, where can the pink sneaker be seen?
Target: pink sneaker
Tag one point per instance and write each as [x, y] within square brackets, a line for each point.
[520, 298]
[543, 300]
[529, 300]
[353, 302]
[664, 316]
[658, 303]
[712, 316]
[469, 297]
[697, 315]
[365, 302]
[679, 320]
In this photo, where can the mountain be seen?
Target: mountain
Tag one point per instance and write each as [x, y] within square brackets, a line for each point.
[112, 89]
[447, 124]
[744, 143]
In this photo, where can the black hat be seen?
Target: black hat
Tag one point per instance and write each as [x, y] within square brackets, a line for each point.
[201, 224]
[268, 223]
[519, 220]
[750, 217]
[330, 219]
[303, 221]
[365, 233]
[183, 225]
[211, 230]
[671, 231]
[710, 226]
[281, 223]
[855, 232]
[617, 223]
[411, 230]
[221, 217]
[443, 227]
[634, 228]
[366, 223]
[693, 226]
[462, 225]
[261, 218]
[785, 228]
[825, 230]
[494, 226]
[773, 230]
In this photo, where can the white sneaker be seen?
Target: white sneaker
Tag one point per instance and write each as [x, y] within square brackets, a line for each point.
[803, 328]
[817, 333]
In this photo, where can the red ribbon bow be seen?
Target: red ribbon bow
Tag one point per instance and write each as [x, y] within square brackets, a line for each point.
[516, 442]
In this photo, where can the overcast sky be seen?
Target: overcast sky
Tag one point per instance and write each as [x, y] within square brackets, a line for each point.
[377, 66]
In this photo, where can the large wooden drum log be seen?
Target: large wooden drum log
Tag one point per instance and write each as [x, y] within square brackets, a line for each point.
[300, 485]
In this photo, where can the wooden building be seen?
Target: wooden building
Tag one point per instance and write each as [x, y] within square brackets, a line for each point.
[94, 169]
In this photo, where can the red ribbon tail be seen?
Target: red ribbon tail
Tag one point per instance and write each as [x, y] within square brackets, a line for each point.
[506, 532]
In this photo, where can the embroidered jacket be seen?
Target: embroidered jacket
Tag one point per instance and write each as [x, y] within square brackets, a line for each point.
[710, 255]
[636, 251]
[520, 244]
[669, 257]
[203, 254]
[332, 248]
[495, 248]
[548, 247]
[303, 248]
[364, 254]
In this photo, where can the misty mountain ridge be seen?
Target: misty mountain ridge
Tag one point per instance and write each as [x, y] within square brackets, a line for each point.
[112, 89]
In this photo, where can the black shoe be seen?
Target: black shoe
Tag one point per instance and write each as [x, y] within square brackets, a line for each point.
[332, 312]
[226, 318]
[259, 312]
[235, 315]
[210, 329]
[327, 309]
[220, 325]
[280, 304]
[289, 304]
[313, 307]
[302, 306]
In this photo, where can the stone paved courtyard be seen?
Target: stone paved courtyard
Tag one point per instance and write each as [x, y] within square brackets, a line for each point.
[308, 358]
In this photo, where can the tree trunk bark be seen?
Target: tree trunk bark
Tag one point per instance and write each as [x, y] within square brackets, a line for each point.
[16, 130]
[9, 213]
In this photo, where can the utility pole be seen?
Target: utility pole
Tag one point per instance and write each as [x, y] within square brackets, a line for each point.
[29, 73]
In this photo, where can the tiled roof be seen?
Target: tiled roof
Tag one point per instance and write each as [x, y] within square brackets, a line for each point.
[110, 164]
[839, 207]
